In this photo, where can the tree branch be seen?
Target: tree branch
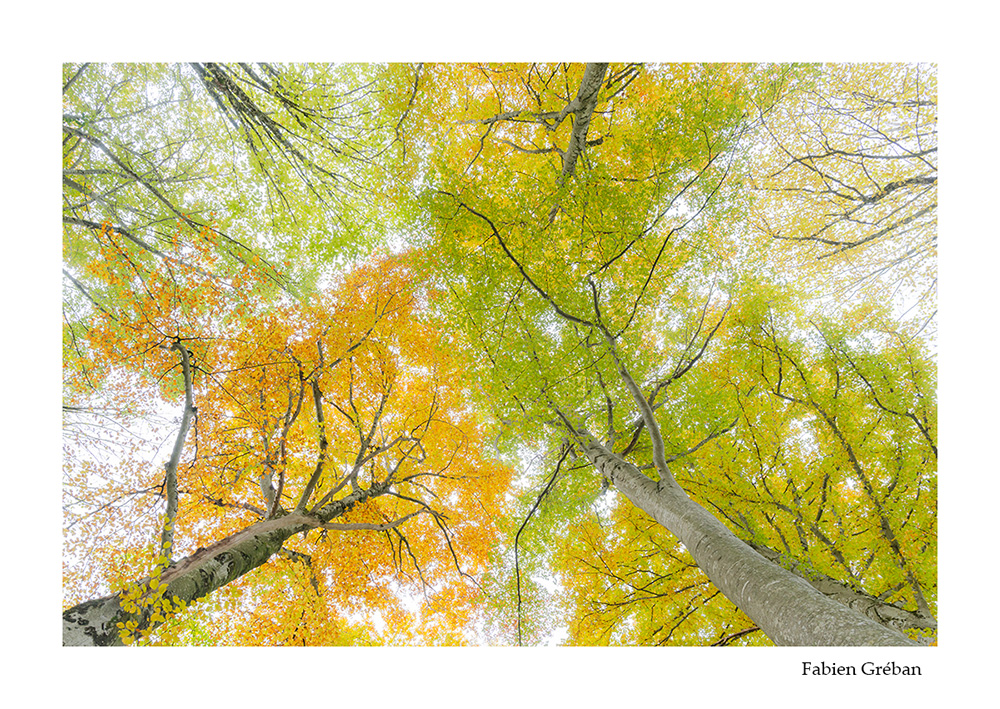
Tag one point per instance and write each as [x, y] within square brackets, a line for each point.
[170, 479]
[582, 108]
[352, 526]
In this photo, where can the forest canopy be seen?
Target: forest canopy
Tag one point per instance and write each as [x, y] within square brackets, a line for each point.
[499, 354]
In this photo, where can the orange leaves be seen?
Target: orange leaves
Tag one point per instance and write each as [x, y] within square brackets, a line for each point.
[347, 392]
[145, 297]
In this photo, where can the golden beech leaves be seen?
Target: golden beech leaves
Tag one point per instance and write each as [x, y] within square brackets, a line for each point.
[348, 391]
[719, 276]
[673, 250]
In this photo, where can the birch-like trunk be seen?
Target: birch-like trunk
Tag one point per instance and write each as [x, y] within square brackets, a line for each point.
[582, 109]
[95, 622]
[784, 606]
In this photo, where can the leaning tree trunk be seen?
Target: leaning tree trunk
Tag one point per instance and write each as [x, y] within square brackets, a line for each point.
[784, 606]
[582, 109]
[95, 622]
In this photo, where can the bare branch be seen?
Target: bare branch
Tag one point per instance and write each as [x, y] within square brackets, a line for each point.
[170, 479]
[352, 526]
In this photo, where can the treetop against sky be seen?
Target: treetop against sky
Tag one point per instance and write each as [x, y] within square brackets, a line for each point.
[605, 353]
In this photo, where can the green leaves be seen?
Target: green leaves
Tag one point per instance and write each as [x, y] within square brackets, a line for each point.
[720, 257]
[768, 413]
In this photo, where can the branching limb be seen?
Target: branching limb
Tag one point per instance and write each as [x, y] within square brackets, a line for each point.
[170, 478]
[441, 521]
[546, 118]
[352, 526]
[646, 410]
[538, 289]
[924, 430]
[305, 559]
[75, 76]
[291, 414]
[886, 528]
[582, 108]
[705, 440]
[517, 536]
[735, 636]
[323, 443]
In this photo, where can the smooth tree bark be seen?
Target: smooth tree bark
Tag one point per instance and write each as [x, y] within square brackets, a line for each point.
[787, 608]
[170, 478]
[94, 622]
[874, 607]
[582, 108]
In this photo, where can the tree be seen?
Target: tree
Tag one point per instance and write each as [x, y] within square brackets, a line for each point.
[608, 290]
[329, 432]
[280, 162]
[595, 281]
[823, 481]
[848, 182]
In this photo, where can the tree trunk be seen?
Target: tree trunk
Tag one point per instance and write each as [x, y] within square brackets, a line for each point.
[784, 606]
[95, 622]
[582, 109]
[882, 612]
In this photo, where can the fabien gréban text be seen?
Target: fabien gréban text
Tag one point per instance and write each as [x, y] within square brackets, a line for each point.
[882, 669]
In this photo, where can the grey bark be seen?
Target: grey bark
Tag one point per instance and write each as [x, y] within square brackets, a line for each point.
[95, 622]
[170, 476]
[787, 608]
[874, 607]
[582, 108]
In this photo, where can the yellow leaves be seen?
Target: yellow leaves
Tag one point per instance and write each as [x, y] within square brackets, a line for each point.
[846, 180]
[380, 367]
[146, 606]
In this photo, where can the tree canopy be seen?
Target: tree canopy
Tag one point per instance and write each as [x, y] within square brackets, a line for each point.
[606, 353]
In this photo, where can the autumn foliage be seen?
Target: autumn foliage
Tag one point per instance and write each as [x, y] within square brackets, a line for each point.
[349, 389]
[719, 277]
